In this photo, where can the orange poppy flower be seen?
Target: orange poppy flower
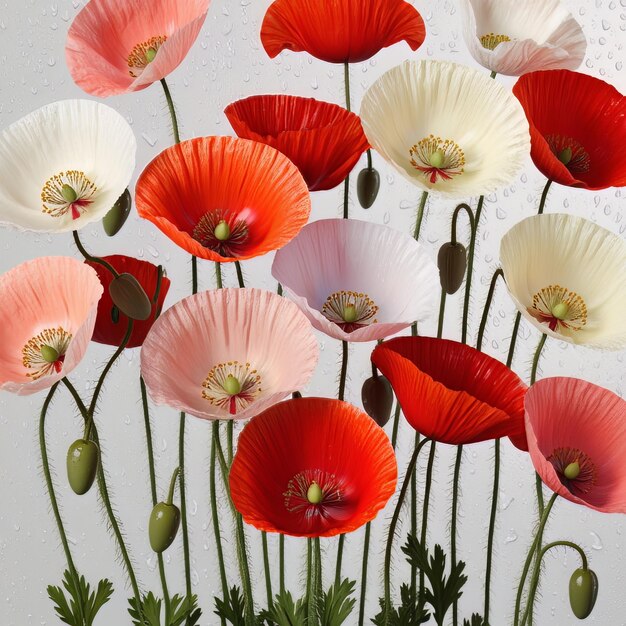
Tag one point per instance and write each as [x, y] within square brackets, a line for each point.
[340, 31]
[312, 467]
[453, 393]
[224, 199]
[324, 140]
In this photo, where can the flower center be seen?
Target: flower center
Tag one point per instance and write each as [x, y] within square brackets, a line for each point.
[232, 386]
[575, 469]
[315, 493]
[570, 153]
[350, 310]
[67, 191]
[221, 232]
[559, 308]
[492, 41]
[437, 158]
[45, 353]
[144, 53]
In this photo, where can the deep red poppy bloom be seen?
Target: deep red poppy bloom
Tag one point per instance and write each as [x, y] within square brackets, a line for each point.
[453, 393]
[324, 140]
[312, 467]
[111, 323]
[223, 198]
[340, 31]
[577, 128]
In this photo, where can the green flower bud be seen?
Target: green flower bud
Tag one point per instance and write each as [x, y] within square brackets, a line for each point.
[129, 297]
[83, 458]
[314, 493]
[113, 221]
[583, 592]
[163, 526]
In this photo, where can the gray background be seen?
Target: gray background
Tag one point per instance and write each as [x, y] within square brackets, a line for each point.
[228, 62]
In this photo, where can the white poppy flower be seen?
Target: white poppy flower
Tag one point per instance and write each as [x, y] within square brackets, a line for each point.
[567, 276]
[358, 281]
[446, 127]
[64, 166]
[514, 37]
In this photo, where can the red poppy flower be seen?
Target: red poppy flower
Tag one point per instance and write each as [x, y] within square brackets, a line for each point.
[312, 467]
[340, 31]
[111, 323]
[453, 393]
[223, 198]
[577, 129]
[324, 140]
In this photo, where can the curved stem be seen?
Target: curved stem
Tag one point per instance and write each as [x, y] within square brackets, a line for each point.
[509, 358]
[470, 267]
[453, 522]
[183, 503]
[529, 558]
[172, 489]
[366, 548]
[426, 505]
[240, 280]
[455, 216]
[483, 322]
[492, 527]
[369, 159]
[89, 257]
[392, 530]
[533, 372]
[172, 109]
[544, 196]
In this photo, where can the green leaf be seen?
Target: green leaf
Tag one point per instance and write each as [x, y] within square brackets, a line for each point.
[285, 612]
[336, 605]
[409, 613]
[477, 620]
[184, 610]
[443, 590]
[150, 609]
[232, 608]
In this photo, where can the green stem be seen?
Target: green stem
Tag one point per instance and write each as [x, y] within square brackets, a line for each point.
[170, 106]
[346, 197]
[281, 559]
[340, 543]
[544, 196]
[240, 280]
[453, 522]
[442, 314]
[366, 548]
[396, 425]
[89, 257]
[346, 187]
[511, 354]
[266, 567]
[183, 503]
[533, 372]
[470, 267]
[369, 159]
[413, 515]
[341, 396]
[483, 322]
[529, 558]
[426, 505]
[218, 275]
[392, 531]
[153, 491]
[492, 526]
[172, 489]
[419, 218]
[455, 216]
[310, 608]
[346, 82]
[194, 274]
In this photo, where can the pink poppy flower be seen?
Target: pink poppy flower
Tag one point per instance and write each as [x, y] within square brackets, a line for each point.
[118, 46]
[228, 353]
[576, 437]
[47, 317]
[358, 281]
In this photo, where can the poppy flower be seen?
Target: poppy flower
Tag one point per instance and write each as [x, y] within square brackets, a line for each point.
[357, 281]
[577, 128]
[567, 277]
[340, 31]
[451, 392]
[111, 323]
[119, 46]
[47, 318]
[312, 467]
[223, 198]
[223, 354]
[324, 140]
[446, 127]
[513, 38]
[64, 166]
[576, 438]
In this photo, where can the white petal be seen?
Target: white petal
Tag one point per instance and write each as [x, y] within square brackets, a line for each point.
[418, 99]
[78, 135]
[560, 249]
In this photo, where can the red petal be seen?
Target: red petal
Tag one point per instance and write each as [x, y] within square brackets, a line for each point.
[324, 140]
[453, 393]
[340, 31]
[312, 434]
[106, 330]
[579, 107]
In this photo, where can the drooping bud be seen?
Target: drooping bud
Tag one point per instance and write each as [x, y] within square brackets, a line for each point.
[83, 458]
[572, 471]
[560, 310]
[367, 186]
[232, 386]
[314, 493]
[377, 398]
[583, 592]
[452, 263]
[222, 231]
[49, 354]
[163, 526]
[113, 221]
[68, 193]
[129, 297]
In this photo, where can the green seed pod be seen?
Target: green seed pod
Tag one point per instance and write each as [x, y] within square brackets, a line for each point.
[163, 526]
[367, 186]
[452, 263]
[130, 298]
[113, 221]
[377, 397]
[82, 465]
[583, 592]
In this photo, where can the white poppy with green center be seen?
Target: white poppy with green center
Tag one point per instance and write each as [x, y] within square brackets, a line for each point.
[64, 166]
[446, 127]
[567, 277]
[514, 37]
